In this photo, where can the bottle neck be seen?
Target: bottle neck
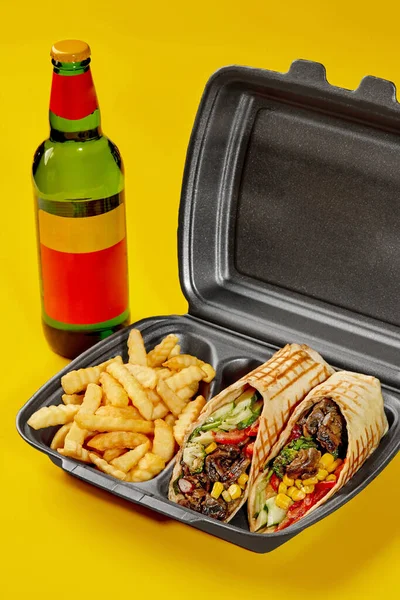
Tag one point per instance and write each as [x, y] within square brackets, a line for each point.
[74, 111]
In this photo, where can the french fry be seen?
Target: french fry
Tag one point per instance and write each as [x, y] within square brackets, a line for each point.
[160, 410]
[173, 402]
[148, 467]
[47, 416]
[209, 371]
[109, 424]
[133, 388]
[164, 441]
[189, 415]
[160, 353]
[170, 419]
[77, 381]
[175, 351]
[112, 453]
[179, 362]
[127, 461]
[186, 377]
[163, 373]
[83, 454]
[114, 393]
[76, 435]
[116, 439]
[72, 398]
[58, 439]
[136, 350]
[146, 376]
[106, 467]
[188, 391]
[127, 412]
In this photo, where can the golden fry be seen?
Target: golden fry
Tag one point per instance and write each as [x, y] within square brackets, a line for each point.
[177, 363]
[146, 376]
[173, 402]
[160, 353]
[127, 412]
[112, 453]
[58, 439]
[170, 419]
[48, 416]
[114, 393]
[189, 415]
[117, 439]
[164, 441]
[82, 456]
[187, 392]
[72, 398]
[98, 423]
[160, 410]
[148, 467]
[135, 391]
[163, 373]
[127, 461]
[77, 381]
[76, 435]
[106, 467]
[136, 350]
[175, 351]
[186, 377]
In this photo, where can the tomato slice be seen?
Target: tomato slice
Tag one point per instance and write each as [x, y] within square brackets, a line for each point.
[275, 481]
[249, 450]
[296, 433]
[253, 429]
[231, 437]
[324, 485]
[299, 509]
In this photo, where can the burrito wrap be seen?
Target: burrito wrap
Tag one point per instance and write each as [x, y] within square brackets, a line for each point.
[283, 382]
[360, 400]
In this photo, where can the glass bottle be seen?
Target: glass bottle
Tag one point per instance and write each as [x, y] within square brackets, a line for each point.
[78, 180]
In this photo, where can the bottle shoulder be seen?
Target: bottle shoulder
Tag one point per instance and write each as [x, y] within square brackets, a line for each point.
[72, 169]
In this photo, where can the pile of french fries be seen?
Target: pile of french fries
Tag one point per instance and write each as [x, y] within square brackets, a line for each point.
[128, 419]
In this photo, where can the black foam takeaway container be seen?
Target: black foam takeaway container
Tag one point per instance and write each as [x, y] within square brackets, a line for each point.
[289, 231]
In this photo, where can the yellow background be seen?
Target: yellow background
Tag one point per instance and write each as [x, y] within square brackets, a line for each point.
[64, 539]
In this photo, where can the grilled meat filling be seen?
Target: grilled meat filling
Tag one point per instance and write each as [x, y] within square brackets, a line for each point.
[327, 424]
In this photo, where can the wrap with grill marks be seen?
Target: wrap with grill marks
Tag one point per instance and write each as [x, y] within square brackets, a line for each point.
[282, 383]
[360, 402]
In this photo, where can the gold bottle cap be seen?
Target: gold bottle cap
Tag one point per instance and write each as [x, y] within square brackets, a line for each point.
[68, 51]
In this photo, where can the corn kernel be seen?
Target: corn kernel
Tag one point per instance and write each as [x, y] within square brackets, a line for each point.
[298, 495]
[211, 447]
[308, 489]
[217, 489]
[298, 483]
[322, 473]
[334, 465]
[282, 489]
[288, 481]
[283, 501]
[291, 490]
[226, 496]
[234, 491]
[243, 480]
[326, 460]
[310, 481]
[331, 478]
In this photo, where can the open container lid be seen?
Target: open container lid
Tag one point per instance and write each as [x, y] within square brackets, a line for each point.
[289, 226]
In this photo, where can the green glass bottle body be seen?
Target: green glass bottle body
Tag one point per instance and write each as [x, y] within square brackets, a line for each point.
[78, 180]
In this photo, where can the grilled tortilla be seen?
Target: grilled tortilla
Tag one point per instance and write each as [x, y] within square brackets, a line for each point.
[327, 439]
[238, 428]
